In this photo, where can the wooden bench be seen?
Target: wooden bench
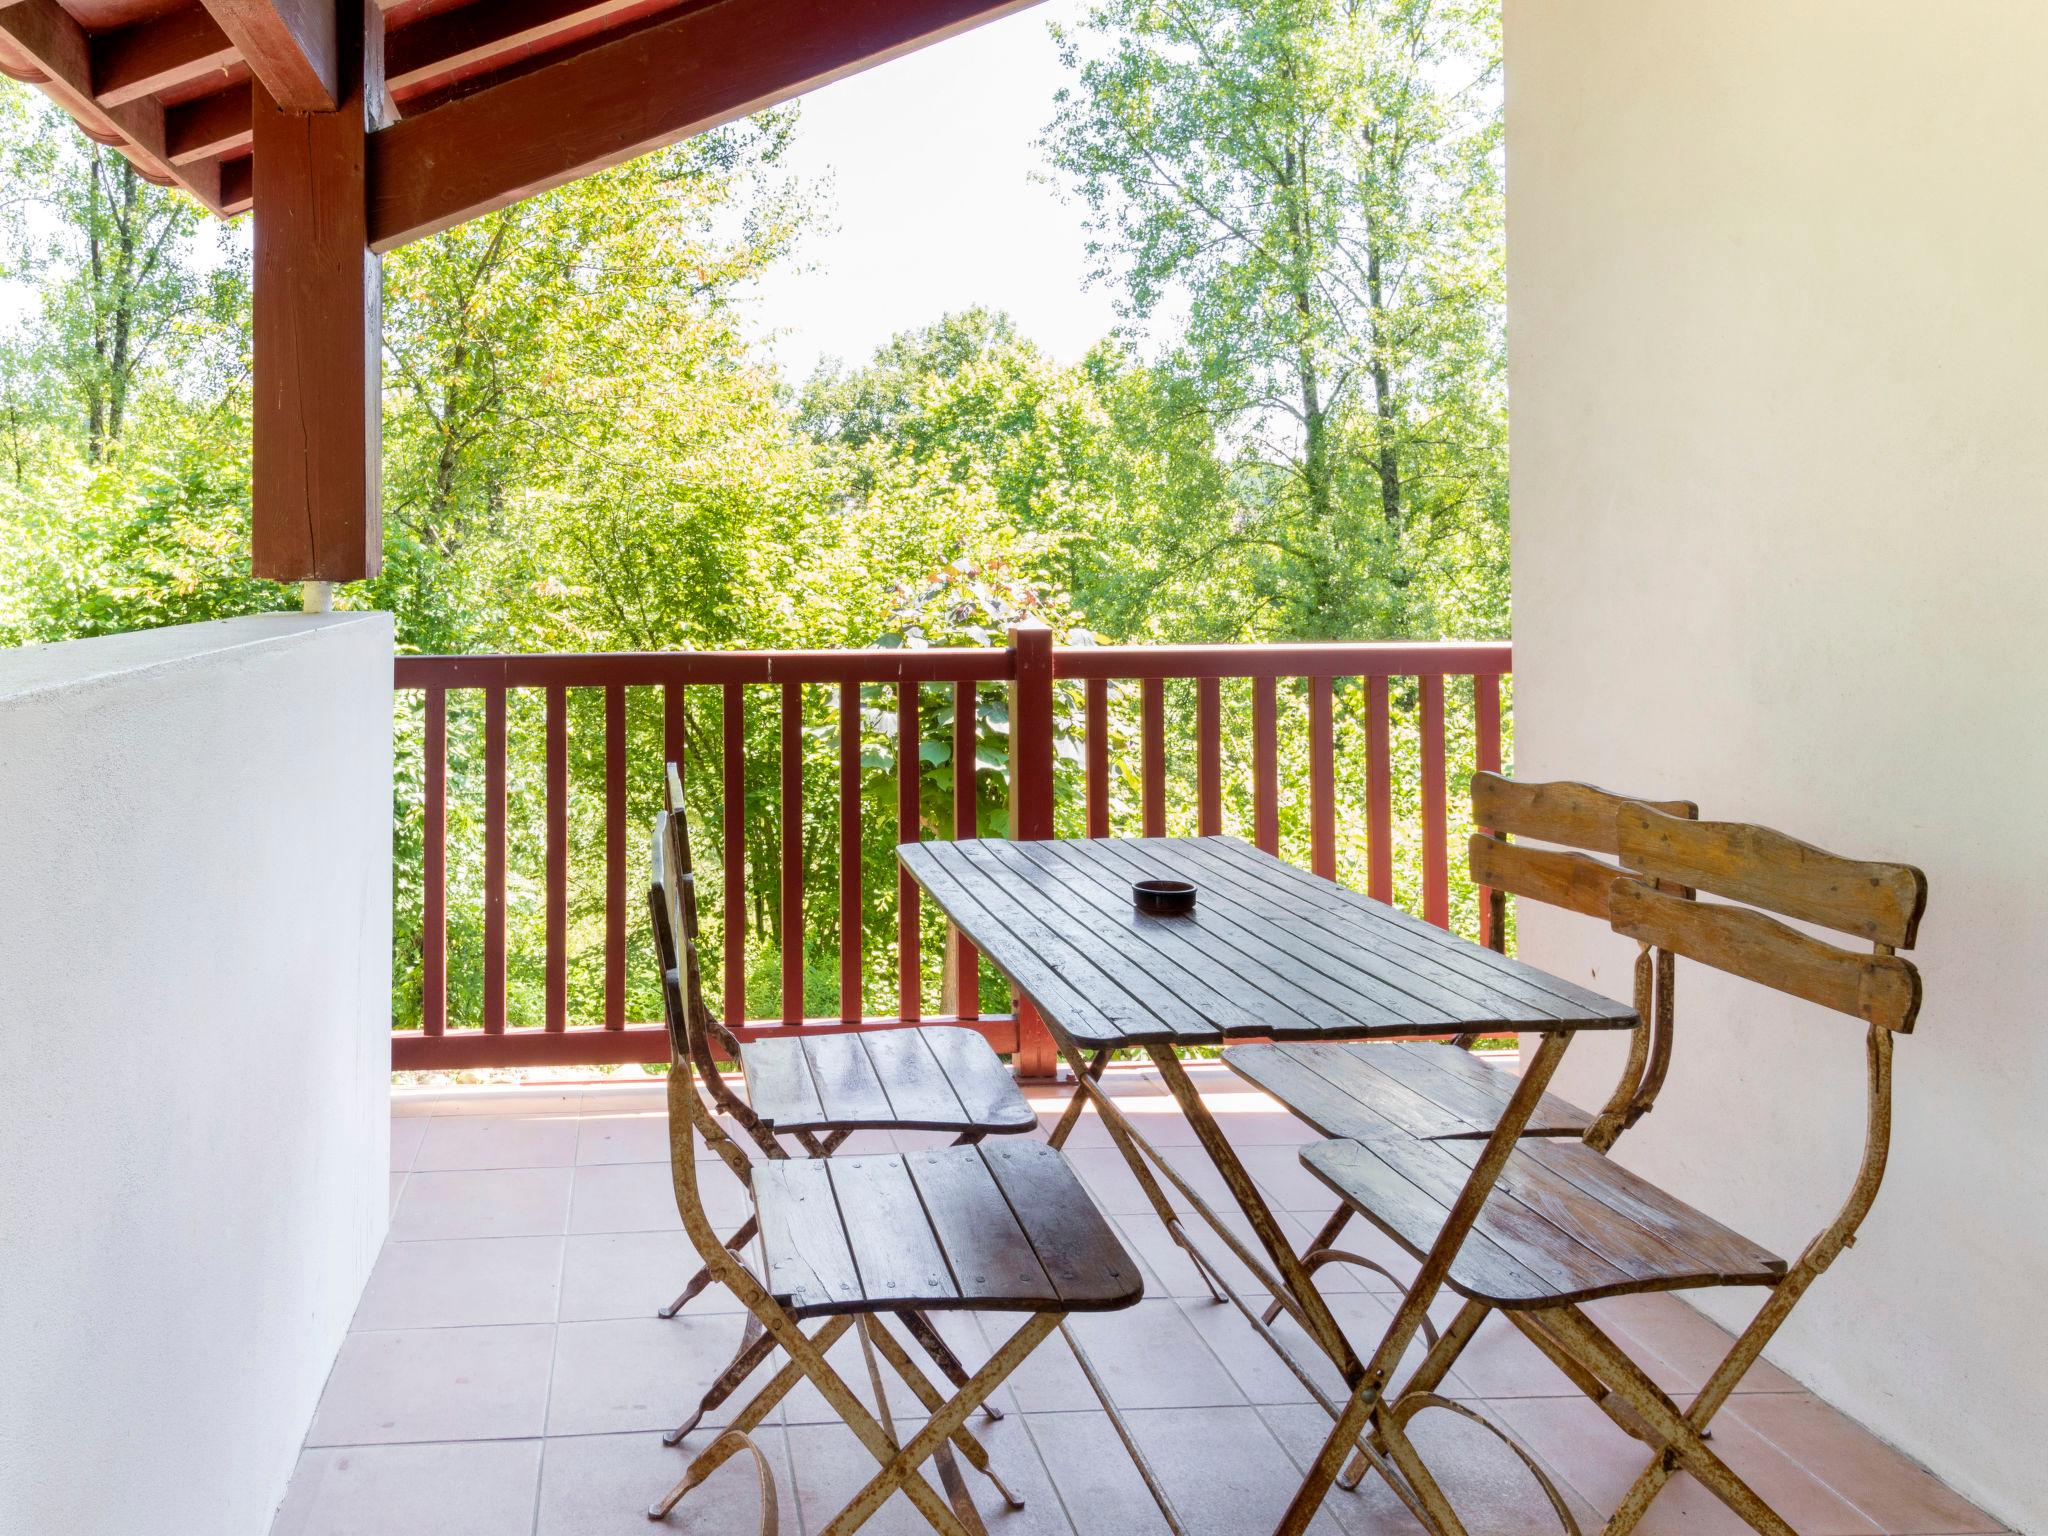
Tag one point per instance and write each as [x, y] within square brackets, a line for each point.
[1435, 1090]
[1564, 1224]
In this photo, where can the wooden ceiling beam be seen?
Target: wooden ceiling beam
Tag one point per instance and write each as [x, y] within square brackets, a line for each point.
[134, 62]
[44, 31]
[619, 99]
[237, 185]
[290, 46]
[209, 128]
[447, 41]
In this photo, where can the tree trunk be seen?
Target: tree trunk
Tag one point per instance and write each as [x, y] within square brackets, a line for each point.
[1386, 407]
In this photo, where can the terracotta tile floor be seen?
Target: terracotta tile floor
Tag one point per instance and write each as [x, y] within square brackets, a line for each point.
[506, 1373]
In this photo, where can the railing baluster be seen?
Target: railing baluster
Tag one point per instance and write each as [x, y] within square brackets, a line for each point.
[558, 858]
[849, 852]
[1098, 756]
[494, 860]
[792, 894]
[1486, 758]
[1322, 780]
[1379, 793]
[734, 913]
[615, 856]
[434, 924]
[1265, 764]
[1153, 732]
[909, 829]
[1033, 669]
[1436, 891]
[1209, 755]
[966, 823]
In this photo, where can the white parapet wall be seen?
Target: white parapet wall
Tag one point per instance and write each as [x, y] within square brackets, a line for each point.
[1780, 491]
[195, 1002]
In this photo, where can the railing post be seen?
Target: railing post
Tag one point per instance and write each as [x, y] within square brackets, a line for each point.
[1031, 798]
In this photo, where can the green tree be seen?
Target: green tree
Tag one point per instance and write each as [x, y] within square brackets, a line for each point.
[1308, 191]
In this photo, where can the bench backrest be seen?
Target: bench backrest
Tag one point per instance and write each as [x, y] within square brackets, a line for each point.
[1880, 903]
[1578, 818]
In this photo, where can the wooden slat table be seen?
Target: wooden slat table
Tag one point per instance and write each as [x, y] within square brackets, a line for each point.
[1271, 951]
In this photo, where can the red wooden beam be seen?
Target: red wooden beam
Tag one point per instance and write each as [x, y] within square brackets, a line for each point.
[137, 61]
[620, 99]
[294, 48]
[209, 128]
[447, 42]
[43, 32]
[318, 320]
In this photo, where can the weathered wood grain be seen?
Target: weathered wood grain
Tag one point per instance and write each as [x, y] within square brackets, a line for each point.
[1879, 902]
[1881, 989]
[1573, 881]
[1564, 1223]
[1558, 811]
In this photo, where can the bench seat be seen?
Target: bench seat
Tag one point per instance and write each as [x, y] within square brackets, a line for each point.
[1564, 1224]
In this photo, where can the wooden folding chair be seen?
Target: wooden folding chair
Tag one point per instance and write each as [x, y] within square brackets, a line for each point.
[1438, 1089]
[1565, 1225]
[819, 1090]
[998, 1227]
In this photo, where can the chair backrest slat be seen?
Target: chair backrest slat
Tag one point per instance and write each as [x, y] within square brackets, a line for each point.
[667, 917]
[1878, 902]
[1571, 815]
[1570, 880]
[1880, 989]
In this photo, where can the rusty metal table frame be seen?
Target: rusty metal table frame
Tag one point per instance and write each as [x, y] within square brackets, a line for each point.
[939, 868]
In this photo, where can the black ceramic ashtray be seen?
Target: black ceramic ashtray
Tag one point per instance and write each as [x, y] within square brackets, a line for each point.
[1162, 896]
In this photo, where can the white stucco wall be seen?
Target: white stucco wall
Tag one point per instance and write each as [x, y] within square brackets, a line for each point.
[195, 943]
[1778, 307]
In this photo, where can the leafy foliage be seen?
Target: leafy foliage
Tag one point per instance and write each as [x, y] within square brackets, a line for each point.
[1299, 433]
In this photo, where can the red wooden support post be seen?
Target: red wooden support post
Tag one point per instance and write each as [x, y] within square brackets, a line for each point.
[850, 927]
[735, 910]
[909, 829]
[1486, 758]
[1379, 793]
[1265, 765]
[1436, 891]
[1031, 798]
[1322, 780]
[434, 934]
[1153, 693]
[792, 893]
[615, 856]
[494, 860]
[1209, 754]
[558, 858]
[317, 322]
[965, 963]
[1098, 756]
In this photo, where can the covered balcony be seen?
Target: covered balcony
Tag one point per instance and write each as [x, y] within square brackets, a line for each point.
[1777, 549]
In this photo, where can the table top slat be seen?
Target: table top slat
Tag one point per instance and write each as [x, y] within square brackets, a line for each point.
[1268, 951]
[1476, 958]
[1013, 955]
[1244, 937]
[1339, 930]
[1161, 947]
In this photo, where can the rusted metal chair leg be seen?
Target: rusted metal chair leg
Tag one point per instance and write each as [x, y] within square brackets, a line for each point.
[933, 1344]
[702, 1278]
[755, 1346]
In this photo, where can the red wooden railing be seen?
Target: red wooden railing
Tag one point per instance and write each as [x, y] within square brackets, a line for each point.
[1033, 670]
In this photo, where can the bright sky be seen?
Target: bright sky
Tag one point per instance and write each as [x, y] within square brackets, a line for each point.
[939, 198]
[941, 201]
